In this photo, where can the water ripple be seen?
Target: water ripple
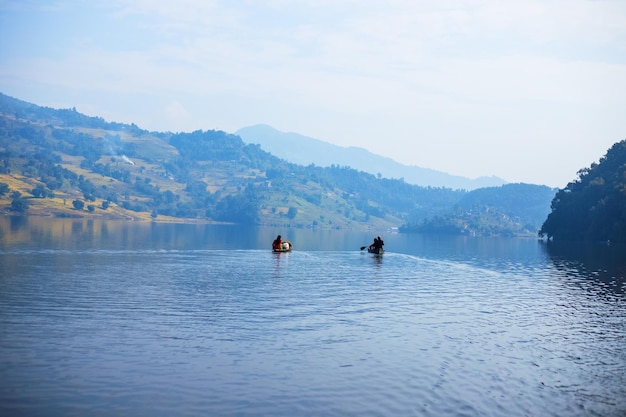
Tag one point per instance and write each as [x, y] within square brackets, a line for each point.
[189, 332]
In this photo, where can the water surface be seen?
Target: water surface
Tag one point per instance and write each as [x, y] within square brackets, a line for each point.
[160, 320]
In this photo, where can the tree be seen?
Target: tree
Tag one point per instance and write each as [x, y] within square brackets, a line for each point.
[40, 191]
[19, 204]
[78, 204]
[237, 209]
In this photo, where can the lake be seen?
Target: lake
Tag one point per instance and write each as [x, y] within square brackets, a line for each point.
[144, 319]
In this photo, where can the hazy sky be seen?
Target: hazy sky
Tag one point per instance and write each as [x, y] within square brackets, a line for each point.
[530, 91]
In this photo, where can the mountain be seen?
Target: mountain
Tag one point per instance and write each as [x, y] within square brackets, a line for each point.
[61, 163]
[304, 150]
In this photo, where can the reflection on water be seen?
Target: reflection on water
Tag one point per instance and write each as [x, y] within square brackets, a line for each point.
[604, 265]
[120, 318]
[97, 234]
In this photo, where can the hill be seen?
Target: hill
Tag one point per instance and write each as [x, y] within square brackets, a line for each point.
[63, 163]
[304, 150]
[59, 162]
[508, 210]
[593, 207]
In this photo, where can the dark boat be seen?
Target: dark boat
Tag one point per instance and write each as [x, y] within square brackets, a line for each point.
[377, 251]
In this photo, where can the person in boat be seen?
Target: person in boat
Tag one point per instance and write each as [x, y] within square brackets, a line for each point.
[378, 243]
[277, 244]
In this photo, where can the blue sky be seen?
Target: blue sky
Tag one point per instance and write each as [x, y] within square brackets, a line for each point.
[528, 91]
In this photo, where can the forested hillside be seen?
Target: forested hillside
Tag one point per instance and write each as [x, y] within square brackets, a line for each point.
[63, 163]
[593, 207]
[66, 164]
[512, 209]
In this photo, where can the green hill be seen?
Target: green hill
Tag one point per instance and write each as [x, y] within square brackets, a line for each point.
[593, 207]
[63, 163]
[508, 210]
[59, 162]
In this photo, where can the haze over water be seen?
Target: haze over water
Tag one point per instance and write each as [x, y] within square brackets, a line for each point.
[156, 319]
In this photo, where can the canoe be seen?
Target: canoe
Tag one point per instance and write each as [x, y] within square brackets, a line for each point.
[286, 247]
[377, 251]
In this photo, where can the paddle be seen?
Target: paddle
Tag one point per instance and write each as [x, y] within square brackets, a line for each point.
[363, 247]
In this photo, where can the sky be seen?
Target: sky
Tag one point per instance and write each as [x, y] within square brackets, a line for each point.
[529, 91]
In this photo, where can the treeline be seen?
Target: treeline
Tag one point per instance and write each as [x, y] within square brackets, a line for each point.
[593, 207]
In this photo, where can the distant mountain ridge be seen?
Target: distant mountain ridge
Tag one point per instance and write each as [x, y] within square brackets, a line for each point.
[304, 150]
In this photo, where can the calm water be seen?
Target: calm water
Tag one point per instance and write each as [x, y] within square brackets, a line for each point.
[111, 319]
